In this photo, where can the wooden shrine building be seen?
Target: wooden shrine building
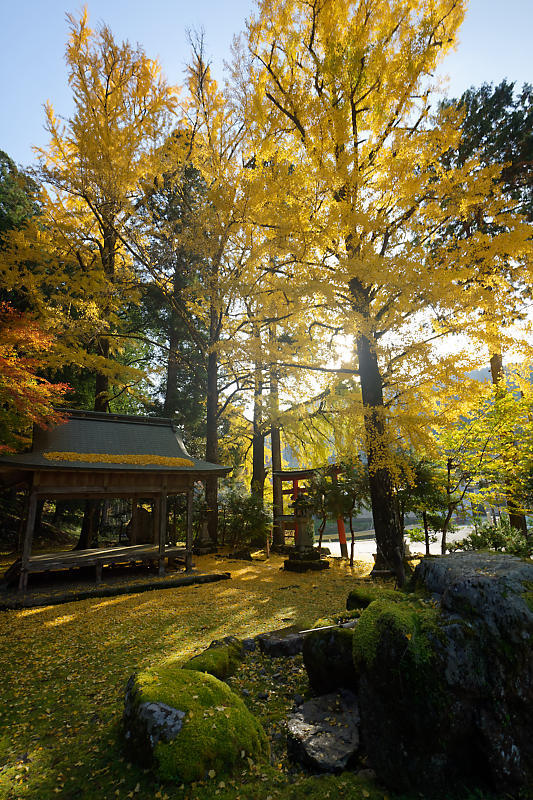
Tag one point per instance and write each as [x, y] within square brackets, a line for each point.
[97, 456]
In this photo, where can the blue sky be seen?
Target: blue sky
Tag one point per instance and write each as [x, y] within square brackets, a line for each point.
[495, 43]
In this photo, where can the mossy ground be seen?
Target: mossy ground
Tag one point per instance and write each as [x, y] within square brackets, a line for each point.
[65, 668]
[64, 671]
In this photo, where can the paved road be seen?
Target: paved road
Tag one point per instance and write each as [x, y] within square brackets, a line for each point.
[365, 543]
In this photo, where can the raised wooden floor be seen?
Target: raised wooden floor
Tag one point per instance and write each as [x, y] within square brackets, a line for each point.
[95, 557]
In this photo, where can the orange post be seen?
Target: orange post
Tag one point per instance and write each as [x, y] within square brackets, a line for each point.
[340, 523]
[342, 537]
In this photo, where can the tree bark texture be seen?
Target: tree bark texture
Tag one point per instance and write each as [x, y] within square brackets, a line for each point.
[278, 531]
[171, 402]
[387, 526]
[211, 450]
[496, 368]
[101, 389]
[90, 527]
[257, 485]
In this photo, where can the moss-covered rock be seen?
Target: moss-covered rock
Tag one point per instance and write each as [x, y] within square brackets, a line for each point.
[221, 658]
[186, 723]
[415, 732]
[412, 625]
[446, 681]
[328, 659]
[365, 593]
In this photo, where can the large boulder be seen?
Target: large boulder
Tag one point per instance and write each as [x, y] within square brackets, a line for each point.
[187, 724]
[446, 680]
[327, 656]
[283, 643]
[323, 733]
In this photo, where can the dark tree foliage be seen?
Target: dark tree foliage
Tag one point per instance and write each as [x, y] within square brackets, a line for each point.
[18, 195]
[498, 128]
[181, 376]
[18, 202]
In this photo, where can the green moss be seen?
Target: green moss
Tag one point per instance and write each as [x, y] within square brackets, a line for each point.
[337, 618]
[412, 625]
[346, 615]
[218, 730]
[220, 661]
[365, 593]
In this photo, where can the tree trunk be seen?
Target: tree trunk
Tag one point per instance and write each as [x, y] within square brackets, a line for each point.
[101, 387]
[90, 528]
[443, 541]
[426, 531]
[171, 403]
[38, 517]
[387, 526]
[257, 485]
[352, 540]
[496, 368]
[211, 450]
[278, 531]
[516, 518]
[59, 511]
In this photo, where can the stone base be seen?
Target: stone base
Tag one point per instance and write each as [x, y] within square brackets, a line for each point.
[204, 549]
[323, 733]
[304, 565]
[282, 549]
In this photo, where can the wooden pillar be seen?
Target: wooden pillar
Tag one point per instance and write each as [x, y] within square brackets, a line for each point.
[162, 504]
[189, 542]
[28, 536]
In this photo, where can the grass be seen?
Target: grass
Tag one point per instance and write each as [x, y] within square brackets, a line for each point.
[64, 669]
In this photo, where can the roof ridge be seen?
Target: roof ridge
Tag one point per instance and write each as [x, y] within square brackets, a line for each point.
[104, 416]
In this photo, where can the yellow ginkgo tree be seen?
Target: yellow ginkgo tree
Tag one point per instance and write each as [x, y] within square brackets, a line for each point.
[72, 263]
[338, 94]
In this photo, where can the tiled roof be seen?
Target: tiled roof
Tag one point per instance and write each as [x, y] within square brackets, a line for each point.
[89, 432]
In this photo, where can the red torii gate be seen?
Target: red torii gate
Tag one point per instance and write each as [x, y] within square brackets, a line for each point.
[290, 520]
